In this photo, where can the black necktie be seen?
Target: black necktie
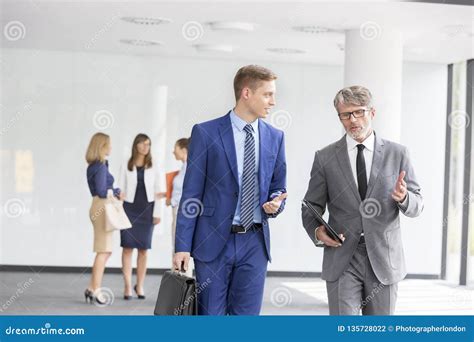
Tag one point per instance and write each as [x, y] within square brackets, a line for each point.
[361, 172]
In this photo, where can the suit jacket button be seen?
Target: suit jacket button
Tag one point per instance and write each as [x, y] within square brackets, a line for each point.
[236, 194]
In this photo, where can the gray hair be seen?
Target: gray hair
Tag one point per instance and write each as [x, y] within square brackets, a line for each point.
[354, 95]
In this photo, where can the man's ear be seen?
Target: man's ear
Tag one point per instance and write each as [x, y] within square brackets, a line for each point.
[372, 113]
[245, 93]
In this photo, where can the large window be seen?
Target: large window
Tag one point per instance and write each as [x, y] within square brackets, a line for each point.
[458, 235]
[470, 198]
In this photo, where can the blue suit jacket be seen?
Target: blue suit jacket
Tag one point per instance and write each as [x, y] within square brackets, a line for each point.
[211, 190]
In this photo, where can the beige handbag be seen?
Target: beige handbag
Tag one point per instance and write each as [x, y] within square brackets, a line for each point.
[115, 216]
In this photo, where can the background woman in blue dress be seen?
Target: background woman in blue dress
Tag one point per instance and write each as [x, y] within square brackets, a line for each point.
[140, 183]
[100, 181]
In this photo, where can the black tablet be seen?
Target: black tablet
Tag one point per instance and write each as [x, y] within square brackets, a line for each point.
[329, 230]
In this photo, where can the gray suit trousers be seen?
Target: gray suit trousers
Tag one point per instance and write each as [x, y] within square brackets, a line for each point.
[358, 289]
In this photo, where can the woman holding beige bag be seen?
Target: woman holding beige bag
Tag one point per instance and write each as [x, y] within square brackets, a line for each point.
[100, 181]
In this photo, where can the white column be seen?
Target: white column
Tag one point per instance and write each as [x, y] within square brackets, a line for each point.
[159, 149]
[158, 122]
[373, 59]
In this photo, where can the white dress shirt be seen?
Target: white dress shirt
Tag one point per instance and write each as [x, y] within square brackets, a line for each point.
[368, 151]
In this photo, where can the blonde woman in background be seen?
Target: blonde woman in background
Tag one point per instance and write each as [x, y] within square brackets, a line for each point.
[100, 181]
[140, 182]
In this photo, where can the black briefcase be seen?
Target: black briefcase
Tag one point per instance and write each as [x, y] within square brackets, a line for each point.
[177, 295]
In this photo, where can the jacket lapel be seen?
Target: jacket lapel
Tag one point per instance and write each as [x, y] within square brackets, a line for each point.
[227, 136]
[133, 174]
[376, 164]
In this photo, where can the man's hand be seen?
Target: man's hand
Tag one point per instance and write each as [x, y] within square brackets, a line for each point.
[156, 220]
[272, 206]
[400, 191]
[181, 261]
[321, 235]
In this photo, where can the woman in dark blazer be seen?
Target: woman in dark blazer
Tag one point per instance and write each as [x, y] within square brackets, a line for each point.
[100, 182]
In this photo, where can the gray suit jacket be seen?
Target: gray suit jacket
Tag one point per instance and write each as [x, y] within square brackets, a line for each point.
[332, 183]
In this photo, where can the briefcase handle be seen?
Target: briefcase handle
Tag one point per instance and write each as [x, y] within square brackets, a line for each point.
[181, 271]
[183, 274]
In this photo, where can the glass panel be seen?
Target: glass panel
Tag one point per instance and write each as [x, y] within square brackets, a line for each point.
[470, 197]
[456, 197]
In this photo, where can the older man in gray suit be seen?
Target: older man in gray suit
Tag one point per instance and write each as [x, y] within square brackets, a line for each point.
[365, 182]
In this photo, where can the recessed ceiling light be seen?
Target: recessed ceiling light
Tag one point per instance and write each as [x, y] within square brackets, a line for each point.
[314, 29]
[213, 47]
[141, 42]
[232, 26]
[146, 21]
[286, 50]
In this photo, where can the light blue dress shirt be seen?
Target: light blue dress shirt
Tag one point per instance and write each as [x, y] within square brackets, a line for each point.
[239, 139]
[178, 181]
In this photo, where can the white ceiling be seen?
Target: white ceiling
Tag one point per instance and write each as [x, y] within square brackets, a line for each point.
[437, 33]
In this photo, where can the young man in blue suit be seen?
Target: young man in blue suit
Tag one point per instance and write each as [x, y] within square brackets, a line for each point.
[235, 180]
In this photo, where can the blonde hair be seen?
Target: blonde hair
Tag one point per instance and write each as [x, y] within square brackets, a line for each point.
[97, 148]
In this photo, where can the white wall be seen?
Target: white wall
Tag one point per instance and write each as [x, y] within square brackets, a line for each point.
[424, 132]
[49, 101]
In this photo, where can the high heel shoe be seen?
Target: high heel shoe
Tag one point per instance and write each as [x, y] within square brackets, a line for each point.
[88, 295]
[91, 297]
[126, 297]
[139, 295]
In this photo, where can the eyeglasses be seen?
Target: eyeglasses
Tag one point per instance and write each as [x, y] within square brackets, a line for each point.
[356, 114]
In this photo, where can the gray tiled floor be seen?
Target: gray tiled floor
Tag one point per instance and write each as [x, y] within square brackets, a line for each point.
[62, 294]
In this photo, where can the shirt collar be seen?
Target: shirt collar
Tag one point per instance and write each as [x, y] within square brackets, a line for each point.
[369, 142]
[240, 124]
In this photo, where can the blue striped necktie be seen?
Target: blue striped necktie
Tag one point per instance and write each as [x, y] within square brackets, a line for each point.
[248, 180]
